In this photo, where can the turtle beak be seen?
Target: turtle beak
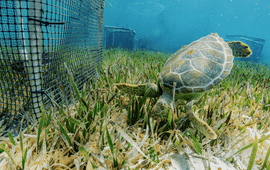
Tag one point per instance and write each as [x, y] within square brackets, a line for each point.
[159, 108]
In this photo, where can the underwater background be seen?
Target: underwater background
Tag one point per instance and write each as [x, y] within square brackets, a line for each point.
[107, 127]
[168, 25]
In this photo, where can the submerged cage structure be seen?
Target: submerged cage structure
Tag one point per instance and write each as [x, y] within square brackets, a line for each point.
[37, 38]
[118, 37]
[255, 44]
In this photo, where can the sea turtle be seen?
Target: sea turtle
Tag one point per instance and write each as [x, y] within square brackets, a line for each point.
[191, 71]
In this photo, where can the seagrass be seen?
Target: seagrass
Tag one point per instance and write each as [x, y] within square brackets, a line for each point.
[240, 104]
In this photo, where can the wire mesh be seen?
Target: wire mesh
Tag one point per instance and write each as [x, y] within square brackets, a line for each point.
[36, 38]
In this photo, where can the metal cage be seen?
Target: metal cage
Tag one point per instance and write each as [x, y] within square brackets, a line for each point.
[36, 38]
[118, 37]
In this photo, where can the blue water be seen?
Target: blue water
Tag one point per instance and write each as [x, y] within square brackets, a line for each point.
[165, 25]
[168, 25]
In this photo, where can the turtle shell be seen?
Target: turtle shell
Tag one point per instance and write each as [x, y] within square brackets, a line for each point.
[198, 66]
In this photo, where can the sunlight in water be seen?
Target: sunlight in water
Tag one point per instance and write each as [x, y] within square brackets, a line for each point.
[145, 8]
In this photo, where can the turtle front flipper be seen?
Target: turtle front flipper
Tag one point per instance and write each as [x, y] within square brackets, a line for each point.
[151, 89]
[202, 126]
[199, 124]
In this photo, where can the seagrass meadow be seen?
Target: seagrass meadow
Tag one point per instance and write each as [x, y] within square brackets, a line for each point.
[107, 129]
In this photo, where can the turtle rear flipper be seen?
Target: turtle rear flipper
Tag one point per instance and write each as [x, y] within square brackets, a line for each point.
[240, 49]
[151, 89]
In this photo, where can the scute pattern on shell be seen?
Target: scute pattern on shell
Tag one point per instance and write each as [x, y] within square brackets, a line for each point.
[198, 66]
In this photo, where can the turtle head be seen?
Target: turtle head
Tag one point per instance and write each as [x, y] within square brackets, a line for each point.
[240, 49]
[165, 100]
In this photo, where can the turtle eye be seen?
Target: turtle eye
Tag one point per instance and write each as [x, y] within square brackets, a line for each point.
[162, 106]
